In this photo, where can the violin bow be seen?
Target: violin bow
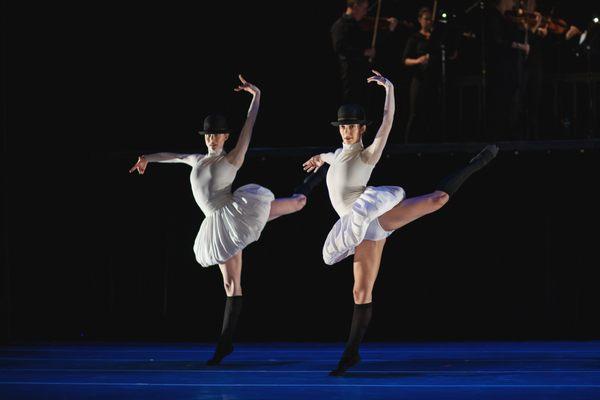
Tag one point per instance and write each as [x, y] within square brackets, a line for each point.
[374, 40]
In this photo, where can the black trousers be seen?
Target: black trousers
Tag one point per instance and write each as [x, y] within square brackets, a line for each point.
[354, 74]
[423, 111]
[532, 102]
[503, 109]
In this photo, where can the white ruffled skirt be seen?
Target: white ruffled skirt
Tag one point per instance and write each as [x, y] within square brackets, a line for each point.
[361, 222]
[234, 226]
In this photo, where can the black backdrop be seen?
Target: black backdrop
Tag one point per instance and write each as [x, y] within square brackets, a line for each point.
[92, 252]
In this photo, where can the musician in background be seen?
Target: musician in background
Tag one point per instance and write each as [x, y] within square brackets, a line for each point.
[352, 46]
[564, 56]
[423, 85]
[565, 38]
[505, 52]
[542, 33]
[533, 71]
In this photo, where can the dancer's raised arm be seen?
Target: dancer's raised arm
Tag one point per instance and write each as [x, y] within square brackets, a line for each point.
[236, 156]
[143, 160]
[372, 153]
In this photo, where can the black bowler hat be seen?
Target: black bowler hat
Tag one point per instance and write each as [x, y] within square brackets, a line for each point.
[350, 114]
[215, 124]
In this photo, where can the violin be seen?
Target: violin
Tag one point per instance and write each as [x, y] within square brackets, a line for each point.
[556, 25]
[553, 24]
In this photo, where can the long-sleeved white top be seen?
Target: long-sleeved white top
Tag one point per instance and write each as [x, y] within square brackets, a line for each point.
[348, 176]
[211, 177]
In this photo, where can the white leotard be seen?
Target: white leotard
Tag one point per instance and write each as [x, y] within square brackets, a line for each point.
[211, 179]
[347, 177]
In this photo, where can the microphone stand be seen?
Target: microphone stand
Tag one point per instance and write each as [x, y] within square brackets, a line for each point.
[443, 90]
[592, 117]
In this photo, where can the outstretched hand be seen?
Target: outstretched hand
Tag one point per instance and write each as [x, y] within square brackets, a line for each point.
[313, 163]
[246, 86]
[140, 165]
[379, 79]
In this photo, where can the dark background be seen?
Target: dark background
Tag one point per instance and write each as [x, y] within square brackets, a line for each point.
[91, 252]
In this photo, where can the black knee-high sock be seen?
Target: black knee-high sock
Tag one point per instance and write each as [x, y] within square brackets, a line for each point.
[452, 182]
[360, 322]
[233, 308]
[312, 180]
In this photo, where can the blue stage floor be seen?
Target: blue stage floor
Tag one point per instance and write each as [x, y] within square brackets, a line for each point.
[527, 370]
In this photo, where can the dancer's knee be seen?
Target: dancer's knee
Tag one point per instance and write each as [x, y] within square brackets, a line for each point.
[439, 199]
[300, 202]
[362, 294]
[232, 287]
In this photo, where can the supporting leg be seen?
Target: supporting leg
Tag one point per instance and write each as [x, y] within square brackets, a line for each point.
[232, 273]
[367, 258]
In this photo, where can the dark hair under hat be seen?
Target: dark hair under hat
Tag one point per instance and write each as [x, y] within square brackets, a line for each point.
[215, 124]
[349, 114]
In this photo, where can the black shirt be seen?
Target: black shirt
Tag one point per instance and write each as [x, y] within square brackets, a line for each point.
[501, 59]
[349, 40]
[535, 60]
[417, 45]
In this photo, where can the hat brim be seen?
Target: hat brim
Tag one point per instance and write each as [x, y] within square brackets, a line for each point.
[214, 132]
[351, 122]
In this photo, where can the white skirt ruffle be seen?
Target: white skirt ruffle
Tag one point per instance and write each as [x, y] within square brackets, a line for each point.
[351, 229]
[234, 226]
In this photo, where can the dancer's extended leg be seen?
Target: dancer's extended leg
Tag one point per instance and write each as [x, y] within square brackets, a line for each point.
[286, 205]
[414, 208]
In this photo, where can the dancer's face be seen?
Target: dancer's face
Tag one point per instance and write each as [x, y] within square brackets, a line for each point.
[352, 133]
[215, 142]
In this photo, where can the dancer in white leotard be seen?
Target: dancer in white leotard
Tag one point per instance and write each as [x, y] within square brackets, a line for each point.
[368, 215]
[233, 220]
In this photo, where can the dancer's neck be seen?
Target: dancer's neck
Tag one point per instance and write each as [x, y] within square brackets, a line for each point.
[353, 146]
[216, 152]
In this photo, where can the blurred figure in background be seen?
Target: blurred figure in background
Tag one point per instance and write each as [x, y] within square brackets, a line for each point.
[351, 42]
[423, 84]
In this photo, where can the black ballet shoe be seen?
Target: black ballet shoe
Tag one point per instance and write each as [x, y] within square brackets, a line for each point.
[221, 352]
[345, 363]
[486, 155]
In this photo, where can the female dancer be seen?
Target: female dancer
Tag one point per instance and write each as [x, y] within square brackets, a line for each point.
[233, 220]
[368, 215]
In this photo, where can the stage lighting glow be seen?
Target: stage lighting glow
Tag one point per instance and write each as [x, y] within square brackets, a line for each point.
[444, 15]
[596, 20]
